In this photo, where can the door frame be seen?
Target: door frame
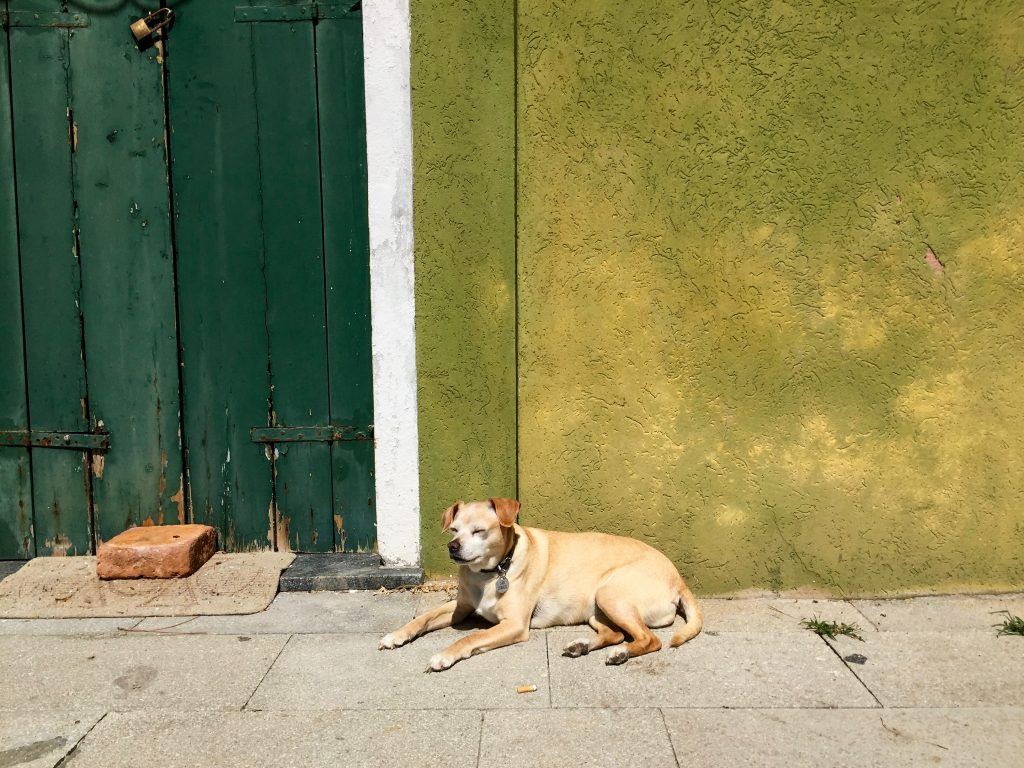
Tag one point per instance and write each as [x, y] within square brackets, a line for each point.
[386, 62]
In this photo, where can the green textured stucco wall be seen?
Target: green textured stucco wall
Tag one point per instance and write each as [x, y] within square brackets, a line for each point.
[463, 193]
[731, 343]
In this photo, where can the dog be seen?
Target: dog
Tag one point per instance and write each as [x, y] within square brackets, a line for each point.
[520, 578]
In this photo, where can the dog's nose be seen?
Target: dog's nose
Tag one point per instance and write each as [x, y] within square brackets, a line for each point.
[454, 546]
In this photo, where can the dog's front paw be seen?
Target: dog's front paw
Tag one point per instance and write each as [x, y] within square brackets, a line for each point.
[390, 641]
[617, 656]
[576, 648]
[439, 663]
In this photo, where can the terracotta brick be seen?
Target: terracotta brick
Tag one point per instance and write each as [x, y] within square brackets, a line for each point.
[156, 552]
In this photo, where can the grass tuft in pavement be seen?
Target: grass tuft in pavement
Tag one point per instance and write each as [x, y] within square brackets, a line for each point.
[832, 629]
[1012, 625]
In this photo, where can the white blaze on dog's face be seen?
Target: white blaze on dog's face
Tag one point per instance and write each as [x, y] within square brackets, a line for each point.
[480, 531]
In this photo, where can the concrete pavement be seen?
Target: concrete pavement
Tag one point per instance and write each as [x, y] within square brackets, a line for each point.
[303, 684]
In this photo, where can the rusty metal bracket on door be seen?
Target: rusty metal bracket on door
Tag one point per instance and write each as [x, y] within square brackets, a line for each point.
[97, 442]
[52, 19]
[304, 12]
[316, 434]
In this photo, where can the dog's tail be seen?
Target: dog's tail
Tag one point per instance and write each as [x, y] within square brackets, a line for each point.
[694, 620]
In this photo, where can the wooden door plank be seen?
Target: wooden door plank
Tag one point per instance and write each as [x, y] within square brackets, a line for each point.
[339, 51]
[293, 239]
[51, 283]
[127, 275]
[222, 294]
[16, 540]
[355, 518]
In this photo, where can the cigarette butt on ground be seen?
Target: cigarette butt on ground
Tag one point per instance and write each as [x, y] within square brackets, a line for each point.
[526, 689]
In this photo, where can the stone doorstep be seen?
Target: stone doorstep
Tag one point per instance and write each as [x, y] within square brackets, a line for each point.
[344, 571]
[8, 567]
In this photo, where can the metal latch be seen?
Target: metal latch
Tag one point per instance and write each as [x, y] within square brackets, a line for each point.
[54, 19]
[304, 12]
[97, 442]
[318, 434]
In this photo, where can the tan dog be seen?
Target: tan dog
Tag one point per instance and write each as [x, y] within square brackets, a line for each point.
[520, 578]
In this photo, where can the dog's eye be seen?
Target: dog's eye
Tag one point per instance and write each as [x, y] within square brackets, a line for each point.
[478, 531]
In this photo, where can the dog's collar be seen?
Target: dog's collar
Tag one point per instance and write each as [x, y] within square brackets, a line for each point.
[506, 561]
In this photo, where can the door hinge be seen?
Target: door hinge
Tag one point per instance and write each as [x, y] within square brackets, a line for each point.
[303, 12]
[97, 442]
[54, 19]
[317, 434]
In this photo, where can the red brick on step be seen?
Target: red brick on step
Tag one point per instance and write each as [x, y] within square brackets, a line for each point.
[156, 552]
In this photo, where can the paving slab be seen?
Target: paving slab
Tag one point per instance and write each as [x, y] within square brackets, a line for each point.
[411, 739]
[119, 673]
[731, 669]
[303, 613]
[847, 738]
[66, 626]
[939, 669]
[991, 737]
[602, 738]
[776, 614]
[41, 739]
[427, 600]
[348, 672]
[933, 614]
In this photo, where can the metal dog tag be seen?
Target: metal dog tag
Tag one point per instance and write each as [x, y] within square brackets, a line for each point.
[502, 585]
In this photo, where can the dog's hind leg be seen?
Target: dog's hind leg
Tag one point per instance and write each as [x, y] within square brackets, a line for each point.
[618, 607]
[606, 635]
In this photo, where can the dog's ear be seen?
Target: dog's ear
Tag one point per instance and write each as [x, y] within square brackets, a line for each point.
[449, 516]
[507, 511]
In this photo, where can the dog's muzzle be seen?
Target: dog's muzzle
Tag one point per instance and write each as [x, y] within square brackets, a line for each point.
[454, 549]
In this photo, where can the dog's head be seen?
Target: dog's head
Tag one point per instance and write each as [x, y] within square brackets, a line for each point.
[480, 531]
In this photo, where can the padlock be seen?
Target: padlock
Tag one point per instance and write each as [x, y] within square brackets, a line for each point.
[149, 29]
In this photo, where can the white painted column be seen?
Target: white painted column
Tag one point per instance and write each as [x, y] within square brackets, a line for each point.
[386, 47]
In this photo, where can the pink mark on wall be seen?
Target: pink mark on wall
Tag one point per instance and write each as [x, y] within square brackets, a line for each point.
[933, 261]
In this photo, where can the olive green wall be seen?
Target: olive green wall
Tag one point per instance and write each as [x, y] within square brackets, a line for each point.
[732, 344]
[732, 340]
[463, 117]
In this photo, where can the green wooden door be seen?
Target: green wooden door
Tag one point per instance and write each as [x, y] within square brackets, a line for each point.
[207, 307]
[90, 279]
